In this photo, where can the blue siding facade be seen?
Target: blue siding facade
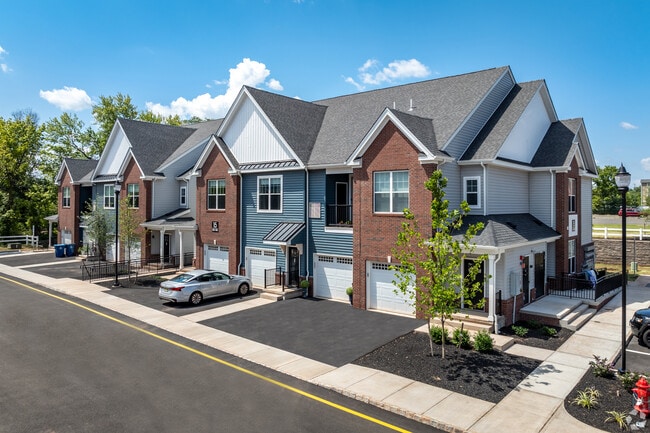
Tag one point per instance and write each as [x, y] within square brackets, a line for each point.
[256, 225]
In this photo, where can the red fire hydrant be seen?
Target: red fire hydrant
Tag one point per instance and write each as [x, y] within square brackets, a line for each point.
[642, 396]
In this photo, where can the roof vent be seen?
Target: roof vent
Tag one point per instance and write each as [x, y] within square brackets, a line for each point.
[411, 105]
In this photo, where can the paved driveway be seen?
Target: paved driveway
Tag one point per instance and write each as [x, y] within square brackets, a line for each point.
[327, 331]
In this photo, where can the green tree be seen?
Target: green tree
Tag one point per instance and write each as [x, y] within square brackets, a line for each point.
[148, 116]
[20, 142]
[430, 259]
[130, 231]
[108, 110]
[606, 199]
[66, 136]
[98, 226]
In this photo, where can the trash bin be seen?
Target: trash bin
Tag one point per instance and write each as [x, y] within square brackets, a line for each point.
[59, 250]
[69, 250]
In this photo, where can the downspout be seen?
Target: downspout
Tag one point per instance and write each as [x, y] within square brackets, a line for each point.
[552, 200]
[492, 294]
[241, 221]
[484, 188]
[307, 224]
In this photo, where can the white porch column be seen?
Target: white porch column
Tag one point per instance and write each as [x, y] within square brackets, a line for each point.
[492, 264]
[162, 246]
[194, 248]
[49, 236]
[180, 247]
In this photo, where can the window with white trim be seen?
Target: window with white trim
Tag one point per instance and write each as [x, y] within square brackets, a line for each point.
[109, 196]
[65, 194]
[472, 191]
[269, 194]
[572, 195]
[183, 196]
[133, 195]
[217, 194]
[391, 191]
[572, 255]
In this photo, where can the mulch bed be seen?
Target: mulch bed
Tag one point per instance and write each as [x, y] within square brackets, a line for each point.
[488, 376]
[537, 337]
[613, 397]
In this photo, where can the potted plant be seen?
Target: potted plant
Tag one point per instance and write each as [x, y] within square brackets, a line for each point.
[350, 292]
[304, 285]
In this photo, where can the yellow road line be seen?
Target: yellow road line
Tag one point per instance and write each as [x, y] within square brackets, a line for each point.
[215, 359]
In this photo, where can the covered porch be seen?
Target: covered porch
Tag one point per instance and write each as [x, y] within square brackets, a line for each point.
[173, 238]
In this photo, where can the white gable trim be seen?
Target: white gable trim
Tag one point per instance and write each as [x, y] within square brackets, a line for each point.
[213, 143]
[375, 130]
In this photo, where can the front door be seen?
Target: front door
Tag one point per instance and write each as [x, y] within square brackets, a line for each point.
[540, 272]
[166, 247]
[525, 279]
[343, 211]
[294, 266]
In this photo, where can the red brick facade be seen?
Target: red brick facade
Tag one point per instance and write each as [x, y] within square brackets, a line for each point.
[562, 217]
[132, 175]
[69, 216]
[374, 234]
[216, 167]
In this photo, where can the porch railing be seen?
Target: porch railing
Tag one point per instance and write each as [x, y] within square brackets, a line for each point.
[576, 286]
[94, 269]
[339, 215]
[274, 277]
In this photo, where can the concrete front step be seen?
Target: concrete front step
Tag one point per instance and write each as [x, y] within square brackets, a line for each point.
[470, 323]
[278, 294]
[577, 321]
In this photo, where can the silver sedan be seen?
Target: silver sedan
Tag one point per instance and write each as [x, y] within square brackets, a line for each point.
[195, 286]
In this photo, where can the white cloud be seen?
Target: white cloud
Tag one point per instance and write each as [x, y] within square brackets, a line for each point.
[626, 125]
[248, 72]
[3, 66]
[645, 162]
[373, 74]
[68, 98]
[2, 51]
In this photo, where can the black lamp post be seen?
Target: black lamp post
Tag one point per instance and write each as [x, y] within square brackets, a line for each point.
[622, 180]
[118, 187]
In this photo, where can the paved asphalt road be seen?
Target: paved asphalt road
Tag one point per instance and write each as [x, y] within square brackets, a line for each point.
[68, 369]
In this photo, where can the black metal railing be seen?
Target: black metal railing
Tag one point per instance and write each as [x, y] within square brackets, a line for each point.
[274, 277]
[577, 286]
[95, 269]
[339, 215]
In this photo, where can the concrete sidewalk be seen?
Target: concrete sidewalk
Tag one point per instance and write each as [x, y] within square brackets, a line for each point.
[536, 405]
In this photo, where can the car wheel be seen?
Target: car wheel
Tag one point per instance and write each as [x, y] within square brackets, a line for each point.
[646, 338]
[243, 289]
[196, 298]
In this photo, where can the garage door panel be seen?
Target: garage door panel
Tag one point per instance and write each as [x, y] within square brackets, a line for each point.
[216, 258]
[259, 261]
[332, 276]
[382, 294]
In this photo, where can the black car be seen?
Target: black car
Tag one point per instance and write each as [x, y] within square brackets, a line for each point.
[640, 324]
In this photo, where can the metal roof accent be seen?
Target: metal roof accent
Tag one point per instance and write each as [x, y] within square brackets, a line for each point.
[283, 233]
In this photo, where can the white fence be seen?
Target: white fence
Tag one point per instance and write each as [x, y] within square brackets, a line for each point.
[617, 233]
[18, 240]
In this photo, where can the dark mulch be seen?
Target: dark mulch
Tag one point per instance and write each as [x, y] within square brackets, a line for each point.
[537, 336]
[613, 397]
[488, 376]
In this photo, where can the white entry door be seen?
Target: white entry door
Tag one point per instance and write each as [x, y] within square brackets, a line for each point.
[332, 275]
[381, 290]
[257, 262]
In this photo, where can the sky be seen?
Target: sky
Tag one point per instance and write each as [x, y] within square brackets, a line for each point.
[191, 57]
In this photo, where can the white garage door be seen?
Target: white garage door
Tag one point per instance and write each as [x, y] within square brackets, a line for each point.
[257, 261]
[381, 290]
[332, 275]
[215, 258]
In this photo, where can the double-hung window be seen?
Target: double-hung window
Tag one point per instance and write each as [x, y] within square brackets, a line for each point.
[572, 195]
[572, 256]
[391, 191]
[109, 196]
[269, 194]
[133, 195]
[472, 191]
[216, 194]
[65, 195]
[183, 196]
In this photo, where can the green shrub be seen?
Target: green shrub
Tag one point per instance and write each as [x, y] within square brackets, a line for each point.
[587, 398]
[601, 367]
[460, 337]
[520, 331]
[619, 417]
[483, 342]
[629, 379]
[551, 332]
[436, 334]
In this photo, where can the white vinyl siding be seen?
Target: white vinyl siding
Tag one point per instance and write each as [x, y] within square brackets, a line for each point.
[507, 191]
[391, 191]
[454, 189]
[541, 195]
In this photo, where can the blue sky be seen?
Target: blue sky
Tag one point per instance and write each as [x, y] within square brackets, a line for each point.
[191, 57]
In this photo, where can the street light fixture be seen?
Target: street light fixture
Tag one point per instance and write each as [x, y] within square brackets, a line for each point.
[622, 179]
[118, 187]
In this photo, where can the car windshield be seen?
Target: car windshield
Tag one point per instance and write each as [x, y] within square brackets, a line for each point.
[182, 278]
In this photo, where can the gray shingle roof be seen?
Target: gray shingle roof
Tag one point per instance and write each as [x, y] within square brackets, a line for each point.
[488, 142]
[422, 128]
[554, 151]
[507, 230]
[445, 101]
[80, 170]
[202, 132]
[297, 121]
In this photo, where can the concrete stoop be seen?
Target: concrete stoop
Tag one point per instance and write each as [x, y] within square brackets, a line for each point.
[577, 317]
[277, 294]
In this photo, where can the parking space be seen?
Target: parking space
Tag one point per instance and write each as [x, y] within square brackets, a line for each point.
[637, 357]
[324, 330]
